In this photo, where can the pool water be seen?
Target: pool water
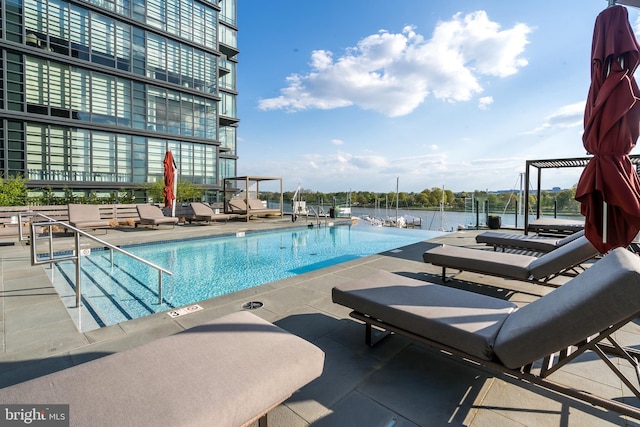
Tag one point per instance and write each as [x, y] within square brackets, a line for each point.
[204, 268]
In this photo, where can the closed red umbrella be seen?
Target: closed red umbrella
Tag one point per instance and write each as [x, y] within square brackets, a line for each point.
[169, 177]
[611, 129]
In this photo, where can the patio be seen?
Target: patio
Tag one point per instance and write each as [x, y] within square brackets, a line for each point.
[397, 383]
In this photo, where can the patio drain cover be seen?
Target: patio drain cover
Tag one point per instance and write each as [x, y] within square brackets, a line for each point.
[252, 305]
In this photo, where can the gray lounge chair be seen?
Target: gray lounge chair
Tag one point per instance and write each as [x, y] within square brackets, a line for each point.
[237, 206]
[152, 215]
[577, 317]
[202, 212]
[555, 226]
[203, 376]
[253, 207]
[524, 242]
[514, 266]
[256, 207]
[87, 217]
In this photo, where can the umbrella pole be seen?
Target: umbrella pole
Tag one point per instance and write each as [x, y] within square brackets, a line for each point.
[175, 188]
[604, 222]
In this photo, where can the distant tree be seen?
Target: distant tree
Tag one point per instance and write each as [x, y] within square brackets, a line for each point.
[422, 199]
[449, 197]
[186, 191]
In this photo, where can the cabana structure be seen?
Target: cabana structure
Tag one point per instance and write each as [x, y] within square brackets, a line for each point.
[241, 196]
[553, 164]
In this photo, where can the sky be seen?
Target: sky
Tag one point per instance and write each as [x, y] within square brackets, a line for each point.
[370, 95]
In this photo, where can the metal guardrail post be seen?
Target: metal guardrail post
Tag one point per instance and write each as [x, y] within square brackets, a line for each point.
[50, 245]
[78, 270]
[159, 287]
[33, 243]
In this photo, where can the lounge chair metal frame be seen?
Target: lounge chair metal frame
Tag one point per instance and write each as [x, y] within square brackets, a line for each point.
[550, 363]
[567, 260]
[570, 271]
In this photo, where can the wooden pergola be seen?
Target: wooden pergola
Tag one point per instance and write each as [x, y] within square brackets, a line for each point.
[232, 185]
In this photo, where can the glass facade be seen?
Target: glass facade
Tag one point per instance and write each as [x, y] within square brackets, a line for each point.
[94, 95]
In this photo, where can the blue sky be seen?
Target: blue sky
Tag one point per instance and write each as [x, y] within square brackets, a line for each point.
[351, 95]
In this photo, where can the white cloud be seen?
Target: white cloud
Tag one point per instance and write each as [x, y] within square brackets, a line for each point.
[571, 115]
[394, 73]
[434, 147]
[484, 102]
[337, 141]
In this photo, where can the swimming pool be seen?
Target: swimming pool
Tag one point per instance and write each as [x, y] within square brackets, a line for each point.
[205, 268]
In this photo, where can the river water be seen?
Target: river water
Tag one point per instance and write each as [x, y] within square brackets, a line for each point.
[448, 221]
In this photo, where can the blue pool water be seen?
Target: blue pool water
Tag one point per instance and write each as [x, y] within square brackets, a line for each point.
[209, 267]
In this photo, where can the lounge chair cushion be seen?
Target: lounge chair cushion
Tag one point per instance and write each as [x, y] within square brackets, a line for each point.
[203, 212]
[457, 318]
[573, 253]
[517, 266]
[603, 295]
[255, 204]
[556, 226]
[227, 372]
[150, 214]
[522, 241]
[237, 206]
[86, 216]
[490, 262]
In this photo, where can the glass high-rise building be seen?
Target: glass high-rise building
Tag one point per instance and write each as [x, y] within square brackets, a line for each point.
[93, 93]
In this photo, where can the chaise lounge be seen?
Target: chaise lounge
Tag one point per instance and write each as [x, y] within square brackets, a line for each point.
[555, 226]
[202, 212]
[153, 216]
[86, 217]
[228, 372]
[252, 207]
[524, 242]
[578, 317]
[564, 260]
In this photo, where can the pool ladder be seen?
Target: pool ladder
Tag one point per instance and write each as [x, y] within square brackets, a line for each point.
[77, 253]
[317, 213]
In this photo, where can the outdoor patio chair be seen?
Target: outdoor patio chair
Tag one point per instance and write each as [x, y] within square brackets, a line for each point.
[202, 376]
[524, 242]
[86, 217]
[202, 212]
[237, 206]
[256, 207]
[578, 317]
[153, 215]
[564, 260]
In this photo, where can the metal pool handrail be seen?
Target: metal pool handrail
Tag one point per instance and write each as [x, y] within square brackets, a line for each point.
[50, 222]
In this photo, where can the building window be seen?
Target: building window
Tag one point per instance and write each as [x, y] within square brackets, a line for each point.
[81, 155]
[13, 17]
[15, 148]
[139, 159]
[15, 83]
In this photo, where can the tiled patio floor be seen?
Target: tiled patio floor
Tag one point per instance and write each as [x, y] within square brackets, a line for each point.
[395, 384]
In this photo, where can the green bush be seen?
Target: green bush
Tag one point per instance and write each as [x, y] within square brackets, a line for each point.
[13, 191]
